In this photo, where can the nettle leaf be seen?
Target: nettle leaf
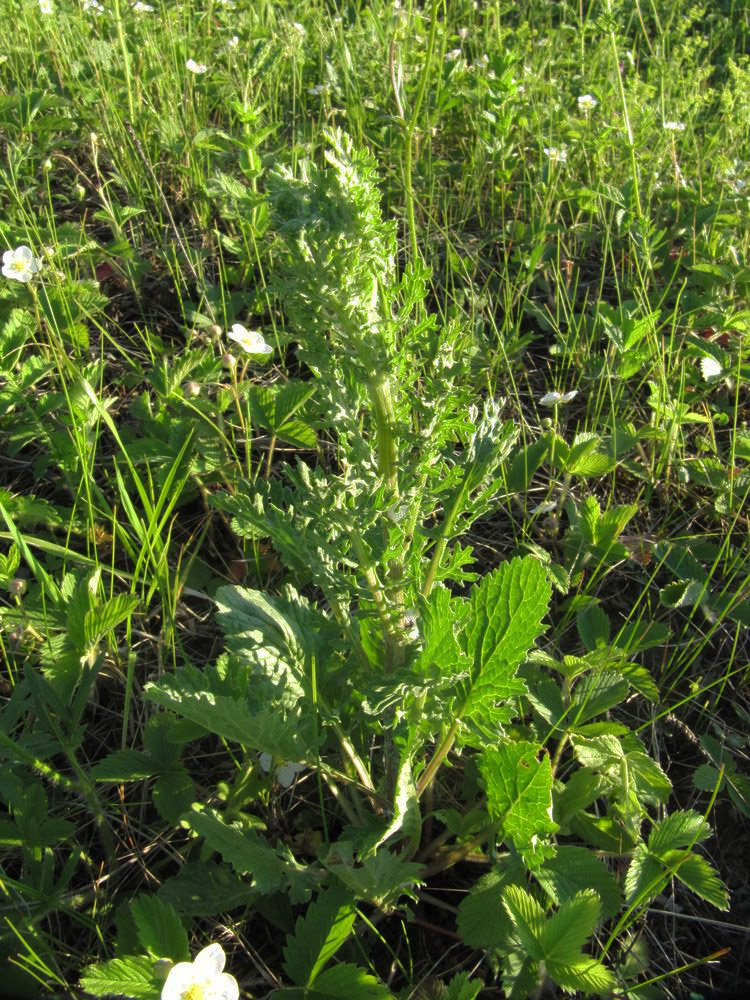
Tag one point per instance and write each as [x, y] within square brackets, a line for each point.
[131, 977]
[125, 765]
[318, 935]
[506, 611]
[574, 869]
[519, 792]
[160, 931]
[441, 616]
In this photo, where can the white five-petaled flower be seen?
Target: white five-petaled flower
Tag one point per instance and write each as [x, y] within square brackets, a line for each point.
[45, 6]
[201, 979]
[285, 772]
[317, 90]
[233, 42]
[20, 264]
[556, 154]
[586, 102]
[196, 67]
[453, 55]
[556, 398]
[94, 6]
[250, 341]
[142, 8]
[674, 126]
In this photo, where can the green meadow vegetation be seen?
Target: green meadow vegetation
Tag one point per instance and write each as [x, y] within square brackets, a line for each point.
[374, 564]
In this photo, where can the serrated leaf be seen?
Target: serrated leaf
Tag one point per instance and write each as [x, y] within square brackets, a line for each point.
[698, 875]
[680, 829]
[568, 930]
[527, 917]
[461, 987]
[318, 935]
[593, 626]
[573, 869]
[99, 621]
[122, 977]
[380, 879]
[482, 920]
[344, 982]
[124, 765]
[644, 877]
[586, 975]
[173, 794]
[247, 853]
[519, 791]
[266, 731]
[595, 694]
[160, 930]
[204, 890]
[506, 612]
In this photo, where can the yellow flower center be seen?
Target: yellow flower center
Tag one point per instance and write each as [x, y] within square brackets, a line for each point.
[19, 265]
[194, 992]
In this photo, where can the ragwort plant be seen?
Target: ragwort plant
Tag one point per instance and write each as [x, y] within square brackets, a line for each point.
[416, 693]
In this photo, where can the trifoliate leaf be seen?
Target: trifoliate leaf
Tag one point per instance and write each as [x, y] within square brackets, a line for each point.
[680, 829]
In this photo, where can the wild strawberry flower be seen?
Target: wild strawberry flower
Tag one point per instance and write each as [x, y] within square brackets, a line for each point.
[556, 154]
[285, 772]
[201, 979]
[586, 102]
[233, 42]
[94, 6]
[142, 8]
[556, 398]
[196, 67]
[20, 264]
[45, 6]
[250, 341]
[674, 126]
[710, 368]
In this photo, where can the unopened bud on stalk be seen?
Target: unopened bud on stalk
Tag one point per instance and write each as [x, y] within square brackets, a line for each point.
[192, 388]
[80, 191]
[228, 360]
[16, 634]
[17, 587]
[215, 330]
[47, 165]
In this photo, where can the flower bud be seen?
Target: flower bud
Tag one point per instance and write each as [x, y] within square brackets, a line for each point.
[16, 634]
[228, 360]
[215, 330]
[17, 587]
[192, 388]
[79, 191]
[47, 165]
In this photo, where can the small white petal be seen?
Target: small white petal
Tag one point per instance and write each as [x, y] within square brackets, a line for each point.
[710, 368]
[265, 761]
[181, 977]
[223, 987]
[285, 775]
[210, 961]
[8, 257]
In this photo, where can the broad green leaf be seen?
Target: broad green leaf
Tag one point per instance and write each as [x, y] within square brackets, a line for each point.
[595, 694]
[99, 621]
[593, 626]
[573, 869]
[122, 977]
[318, 935]
[173, 794]
[528, 920]
[160, 931]
[441, 615]
[568, 930]
[266, 731]
[506, 612]
[519, 791]
[525, 463]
